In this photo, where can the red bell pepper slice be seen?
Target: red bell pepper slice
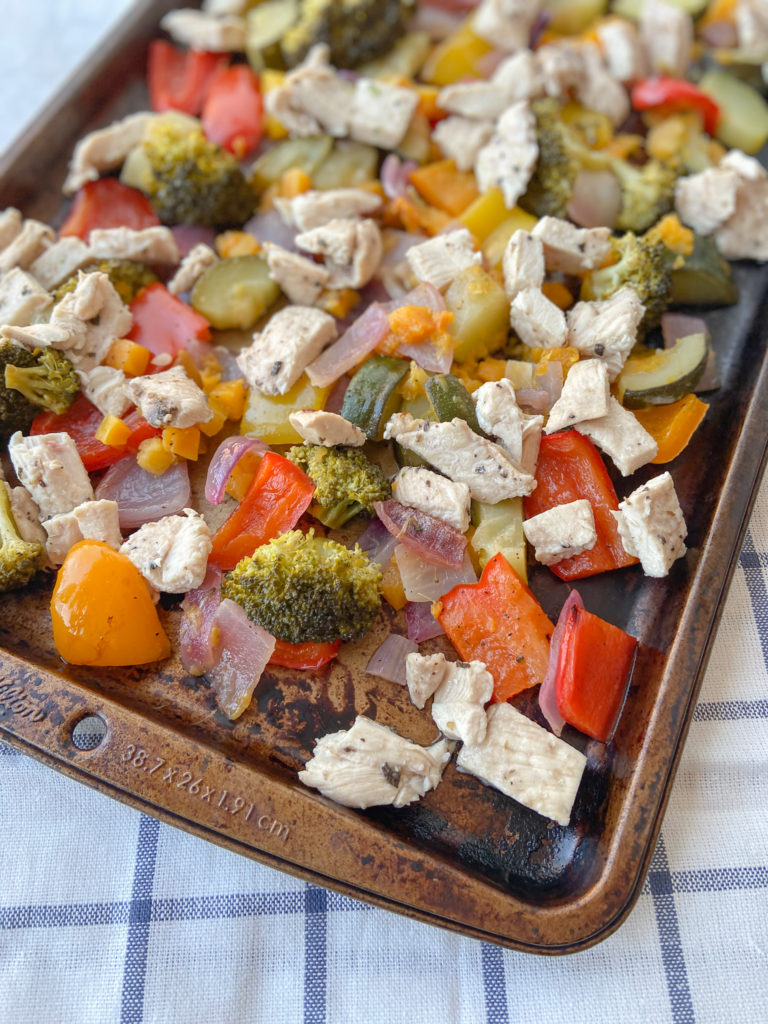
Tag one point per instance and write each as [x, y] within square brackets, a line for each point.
[180, 79]
[675, 94]
[278, 496]
[164, 324]
[498, 621]
[307, 655]
[593, 672]
[81, 420]
[108, 203]
[233, 112]
[569, 468]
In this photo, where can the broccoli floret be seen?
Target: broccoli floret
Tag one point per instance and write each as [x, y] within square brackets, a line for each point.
[346, 482]
[642, 264]
[355, 30]
[647, 193]
[304, 588]
[16, 411]
[19, 559]
[51, 383]
[190, 180]
[127, 277]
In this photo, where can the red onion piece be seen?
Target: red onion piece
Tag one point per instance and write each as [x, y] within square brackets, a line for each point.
[395, 175]
[722, 34]
[187, 236]
[196, 648]
[377, 542]
[244, 650]
[437, 22]
[534, 400]
[224, 460]
[335, 399]
[351, 348]
[710, 379]
[541, 23]
[422, 295]
[430, 356]
[595, 200]
[425, 581]
[143, 497]
[679, 325]
[431, 538]
[422, 625]
[388, 661]
[551, 381]
[547, 696]
[270, 227]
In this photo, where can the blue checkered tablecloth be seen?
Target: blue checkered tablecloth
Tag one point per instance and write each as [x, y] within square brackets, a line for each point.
[108, 916]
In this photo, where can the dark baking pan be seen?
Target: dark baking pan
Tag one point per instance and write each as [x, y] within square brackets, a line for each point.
[465, 857]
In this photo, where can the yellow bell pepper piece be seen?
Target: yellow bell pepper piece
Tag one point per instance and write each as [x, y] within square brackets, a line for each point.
[153, 457]
[112, 431]
[266, 416]
[182, 441]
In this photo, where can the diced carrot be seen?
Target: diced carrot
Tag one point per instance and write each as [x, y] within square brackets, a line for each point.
[443, 185]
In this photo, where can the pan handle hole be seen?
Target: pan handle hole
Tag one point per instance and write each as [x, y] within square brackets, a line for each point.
[89, 732]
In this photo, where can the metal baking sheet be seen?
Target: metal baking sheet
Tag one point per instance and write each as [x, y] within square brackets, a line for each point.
[465, 857]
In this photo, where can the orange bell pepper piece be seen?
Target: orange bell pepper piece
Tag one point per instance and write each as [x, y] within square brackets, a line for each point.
[672, 426]
[443, 185]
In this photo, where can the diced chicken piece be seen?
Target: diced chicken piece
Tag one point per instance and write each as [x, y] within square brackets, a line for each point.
[561, 531]
[744, 235]
[169, 399]
[752, 25]
[562, 67]
[102, 317]
[439, 260]
[104, 386]
[458, 706]
[93, 520]
[22, 298]
[667, 31]
[463, 456]
[199, 258]
[27, 245]
[381, 112]
[351, 248]
[437, 496]
[508, 159]
[526, 762]
[171, 553]
[199, 30]
[523, 263]
[536, 320]
[571, 249]
[651, 525]
[312, 98]
[607, 329]
[369, 765]
[506, 23]
[600, 91]
[147, 245]
[279, 354]
[461, 139]
[326, 428]
[60, 260]
[620, 435]
[520, 76]
[499, 415]
[585, 395]
[10, 225]
[51, 470]
[623, 50]
[225, 6]
[66, 334]
[423, 675]
[314, 208]
[105, 149]
[300, 278]
[26, 515]
[477, 101]
[705, 201]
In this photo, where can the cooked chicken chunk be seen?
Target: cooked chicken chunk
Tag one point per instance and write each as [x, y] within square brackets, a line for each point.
[518, 77]
[620, 435]
[562, 67]
[147, 245]
[461, 139]
[312, 98]
[423, 674]
[463, 456]
[104, 386]
[651, 525]
[93, 520]
[169, 399]
[104, 150]
[752, 25]
[561, 531]
[381, 112]
[326, 428]
[439, 260]
[351, 248]
[420, 488]
[523, 263]
[506, 23]
[280, 353]
[26, 246]
[667, 31]
[571, 249]
[585, 395]
[26, 514]
[191, 268]
[171, 553]
[458, 705]
[508, 159]
[60, 260]
[500, 416]
[301, 279]
[51, 470]
[624, 52]
[599, 90]
[315, 208]
[607, 329]
[536, 320]
[10, 225]
[22, 298]
[368, 765]
[526, 762]
[199, 30]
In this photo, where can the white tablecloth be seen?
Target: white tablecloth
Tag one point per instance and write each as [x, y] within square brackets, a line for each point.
[108, 916]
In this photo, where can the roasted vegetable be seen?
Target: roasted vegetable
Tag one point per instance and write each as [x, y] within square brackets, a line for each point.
[235, 292]
[346, 482]
[16, 411]
[355, 30]
[641, 264]
[304, 588]
[372, 395]
[19, 559]
[127, 277]
[659, 376]
[50, 383]
[702, 278]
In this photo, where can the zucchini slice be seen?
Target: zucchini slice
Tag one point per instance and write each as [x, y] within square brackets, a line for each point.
[704, 277]
[306, 153]
[658, 376]
[372, 395]
[449, 399]
[266, 25]
[235, 292]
